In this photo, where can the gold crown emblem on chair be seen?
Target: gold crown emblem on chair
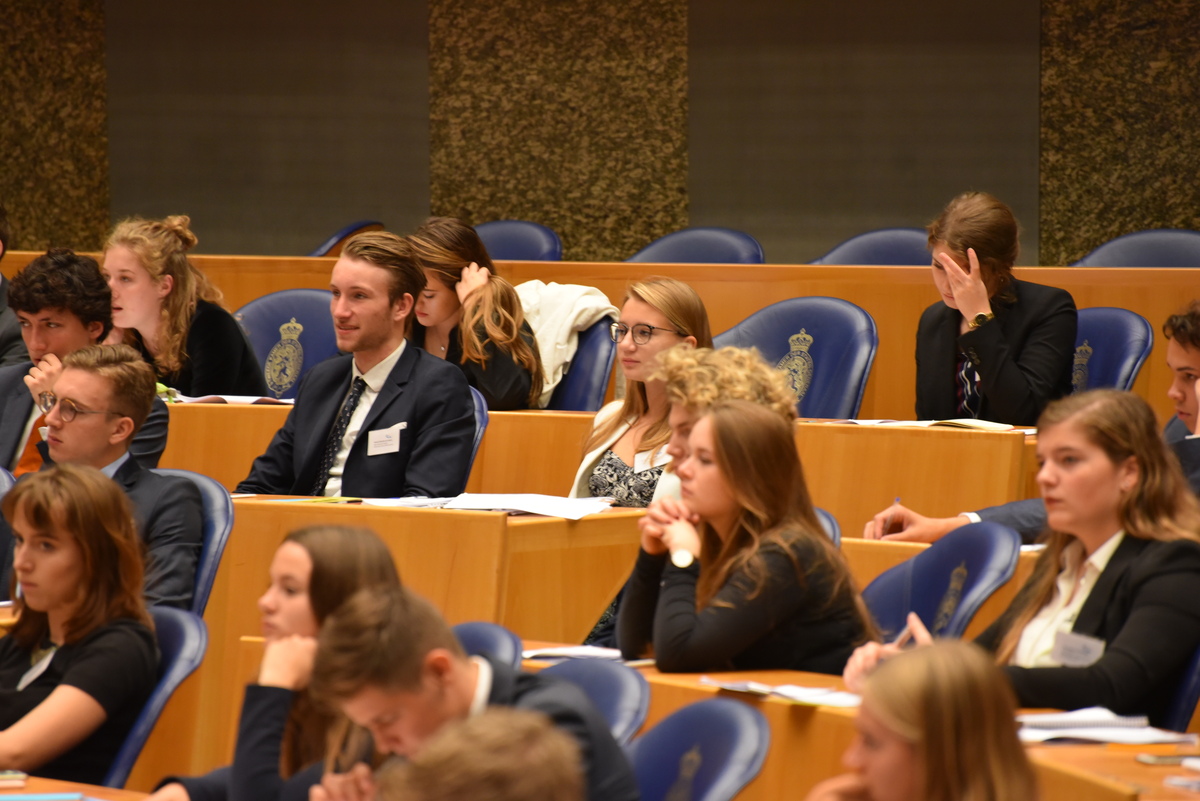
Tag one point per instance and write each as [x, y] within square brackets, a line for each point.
[286, 359]
[798, 362]
[1079, 372]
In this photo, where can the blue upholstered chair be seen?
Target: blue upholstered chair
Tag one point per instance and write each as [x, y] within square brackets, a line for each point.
[830, 524]
[333, 245]
[1158, 247]
[706, 751]
[946, 583]
[519, 240]
[182, 639]
[217, 518]
[481, 423]
[1110, 348]
[702, 246]
[826, 345]
[583, 385]
[6, 481]
[479, 637]
[905, 246]
[1183, 703]
[620, 693]
[290, 331]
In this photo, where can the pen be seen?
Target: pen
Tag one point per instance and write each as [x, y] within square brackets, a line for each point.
[887, 524]
[903, 637]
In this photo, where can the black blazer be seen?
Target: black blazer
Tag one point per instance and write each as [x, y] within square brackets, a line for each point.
[607, 773]
[426, 393]
[1146, 608]
[1024, 356]
[12, 344]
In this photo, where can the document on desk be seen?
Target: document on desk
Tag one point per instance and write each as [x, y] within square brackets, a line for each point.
[797, 694]
[549, 505]
[1095, 724]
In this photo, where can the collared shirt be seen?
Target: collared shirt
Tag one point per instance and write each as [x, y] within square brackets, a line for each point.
[1071, 590]
[375, 377]
[111, 469]
[483, 686]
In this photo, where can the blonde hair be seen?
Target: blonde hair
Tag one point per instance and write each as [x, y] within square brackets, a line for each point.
[131, 380]
[505, 754]
[697, 378]
[444, 246]
[161, 247]
[955, 706]
[684, 309]
[1160, 506]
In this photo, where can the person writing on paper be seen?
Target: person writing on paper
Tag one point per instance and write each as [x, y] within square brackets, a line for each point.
[282, 733]
[1182, 332]
[752, 582]
[626, 452]
[80, 661]
[994, 348]
[935, 723]
[1110, 616]
[171, 312]
[469, 316]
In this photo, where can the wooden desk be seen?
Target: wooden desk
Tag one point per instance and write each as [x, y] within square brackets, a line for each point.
[37, 785]
[1111, 772]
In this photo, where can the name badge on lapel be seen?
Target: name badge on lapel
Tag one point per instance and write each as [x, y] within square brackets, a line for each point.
[385, 440]
[1076, 650]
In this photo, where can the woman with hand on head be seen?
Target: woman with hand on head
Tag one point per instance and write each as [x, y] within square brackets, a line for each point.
[1110, 616]
[171, 312]
[994, 348]
[472, 317]
[744, 578]
[626, 452]
[282, 733]
[936, 724]
[80, 661]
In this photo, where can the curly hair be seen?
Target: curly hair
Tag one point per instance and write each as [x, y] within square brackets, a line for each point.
[699, 377]
[63, 279]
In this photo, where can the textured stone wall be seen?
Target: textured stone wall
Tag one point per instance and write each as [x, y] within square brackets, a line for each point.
[568, 113]
[1120, 145]
[53, 141]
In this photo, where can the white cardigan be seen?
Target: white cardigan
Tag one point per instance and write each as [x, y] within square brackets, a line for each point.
[668, 483]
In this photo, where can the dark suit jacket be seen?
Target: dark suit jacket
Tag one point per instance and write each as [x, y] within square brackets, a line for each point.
[16, 404]
[608, 775]
[1023, 357]
[428, 394]
[1028, 517]
[12, 345]
[1146, 609]
[169, 517]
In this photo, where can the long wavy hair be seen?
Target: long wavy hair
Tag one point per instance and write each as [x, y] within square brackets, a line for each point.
[161, 248]
[956, 708]
[755, 450]
[444, 246]
[1160, 506]
[680, 304]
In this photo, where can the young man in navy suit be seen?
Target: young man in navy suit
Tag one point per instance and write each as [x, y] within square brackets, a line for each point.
[386, 419]
[12, 348]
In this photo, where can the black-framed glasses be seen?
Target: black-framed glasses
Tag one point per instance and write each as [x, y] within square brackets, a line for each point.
[642, 332]
[68, 409]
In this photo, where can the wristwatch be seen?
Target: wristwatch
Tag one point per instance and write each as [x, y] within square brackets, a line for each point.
[979, 320]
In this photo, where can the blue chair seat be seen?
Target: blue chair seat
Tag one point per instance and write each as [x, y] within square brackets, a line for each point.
[290, 331]
[702, 246]
[585, 382]
[333, 245]
[1110, 348]
[620, 693]
[903, 246]
[520, 240]
[1159, 247]
[217, 520]
[480, 637]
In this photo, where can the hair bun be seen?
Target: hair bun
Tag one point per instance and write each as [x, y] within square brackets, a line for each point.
[179, 225]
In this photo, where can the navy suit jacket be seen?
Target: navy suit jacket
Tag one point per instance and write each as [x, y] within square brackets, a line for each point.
[16, 404]
[12, 344]
[1023, 357]
[424, 392]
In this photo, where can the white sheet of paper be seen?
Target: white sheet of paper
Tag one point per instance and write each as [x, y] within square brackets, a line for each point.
[549, 505]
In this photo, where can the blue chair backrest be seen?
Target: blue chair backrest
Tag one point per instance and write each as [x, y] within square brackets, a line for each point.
[1159, 247]
[585, 382]
[830, 524]
[826, 345]
[1110, 348]
[6, 481]
[520, 240]
[218, 522]
[479, 637]
[619, 693]
[706, 751]
[946, 583]
[290, 331]
[702, 246]
[905, 246]
[182, 639]
[481, 423]
[333, 245]
[1183, 703]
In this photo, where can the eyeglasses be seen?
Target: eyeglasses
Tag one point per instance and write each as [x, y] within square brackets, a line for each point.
[67, 408]
[641, 332]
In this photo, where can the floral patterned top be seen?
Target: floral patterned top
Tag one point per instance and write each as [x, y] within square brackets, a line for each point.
[612, 478]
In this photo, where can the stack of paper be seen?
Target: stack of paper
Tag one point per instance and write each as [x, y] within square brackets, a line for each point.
[808, 696]
[1095, 724]
[550, 505]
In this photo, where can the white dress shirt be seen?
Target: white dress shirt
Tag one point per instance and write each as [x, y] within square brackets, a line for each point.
[374, 379]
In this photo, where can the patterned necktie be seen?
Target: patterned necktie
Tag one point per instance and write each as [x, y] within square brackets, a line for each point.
[334, 443]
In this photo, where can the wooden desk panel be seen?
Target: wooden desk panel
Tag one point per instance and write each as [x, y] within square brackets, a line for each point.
[220, 440]
[534, 451]
[39, 785]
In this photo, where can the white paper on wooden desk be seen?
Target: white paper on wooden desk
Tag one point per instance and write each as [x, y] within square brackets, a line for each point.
[407, 503]
[573, 652]
[549, 505]
[809, 696]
